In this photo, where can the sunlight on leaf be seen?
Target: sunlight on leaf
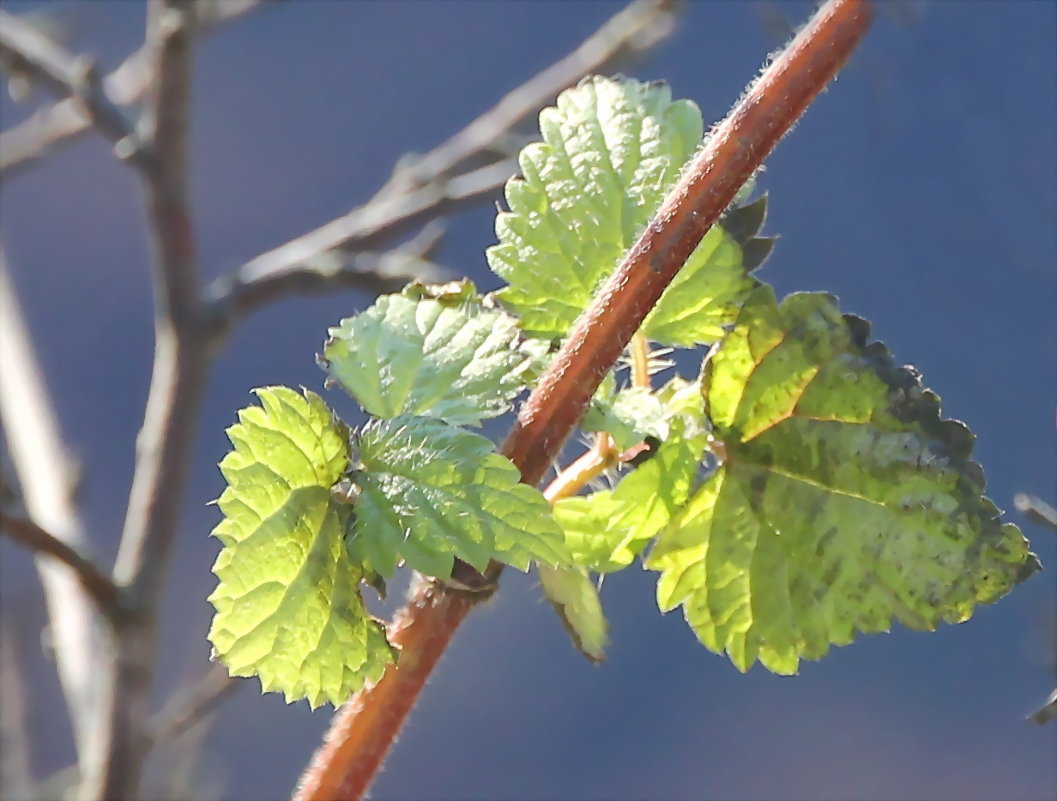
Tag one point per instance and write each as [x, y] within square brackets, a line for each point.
[845, 501]
[431, 492]
[288, 604]
[443, 357]
[611, 150]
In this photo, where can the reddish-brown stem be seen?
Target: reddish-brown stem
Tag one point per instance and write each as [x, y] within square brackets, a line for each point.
[365, 727]
[708, 185]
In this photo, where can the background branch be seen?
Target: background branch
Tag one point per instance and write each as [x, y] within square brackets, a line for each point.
[97, 584]
[23, 48]
[422, 187]
[65, 121]
[177, 384]
[42, 466]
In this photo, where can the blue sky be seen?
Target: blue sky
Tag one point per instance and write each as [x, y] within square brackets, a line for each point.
[920, 189]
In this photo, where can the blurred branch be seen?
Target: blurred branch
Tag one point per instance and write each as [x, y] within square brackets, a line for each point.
[25, 49]
[42, 467]
[96, 583]
[1036, 510]
[422, 187]
[632, 31]
[66, 120]
[315, 261]
[185, 710]
[16, 781]
[164, 445]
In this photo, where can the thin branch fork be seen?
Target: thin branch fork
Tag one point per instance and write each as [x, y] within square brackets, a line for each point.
[95, 582]
[65, 120]
[363, 730]
[66, 75]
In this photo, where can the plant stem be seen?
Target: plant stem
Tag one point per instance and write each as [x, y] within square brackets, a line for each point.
[365, 727]
[640, 360]
[588, 467]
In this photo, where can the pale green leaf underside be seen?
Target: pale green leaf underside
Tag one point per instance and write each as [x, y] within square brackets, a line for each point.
[431, 492]
[574, 596]
[607, 529]
[460, 363]
[288, 604]
[611, 149]
[845, 501]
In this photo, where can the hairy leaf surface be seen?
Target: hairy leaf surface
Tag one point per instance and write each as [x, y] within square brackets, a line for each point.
[611, 149]
[844, 500]
[288, 605]
[440, 357]
[431, 492]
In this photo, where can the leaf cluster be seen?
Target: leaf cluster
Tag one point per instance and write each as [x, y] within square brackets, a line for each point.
[798, 488]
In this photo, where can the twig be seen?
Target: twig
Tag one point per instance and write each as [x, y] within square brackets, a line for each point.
[42, 466]
[164, 446]
[305, 263]
[1036, 510]
[421, 189]
[64, 121]
[362, 732]
[96, 583]
[187, 709]
[67, 76]
[635, 29]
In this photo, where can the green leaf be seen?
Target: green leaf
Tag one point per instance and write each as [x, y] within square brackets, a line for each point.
[843, 502]
[574, 596]
[611, 149]
[439, 357]
[431, 492]
[288, 605]
[607, 529]
[629, 416]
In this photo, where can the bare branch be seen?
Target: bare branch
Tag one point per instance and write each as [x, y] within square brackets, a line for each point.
[187, 709]
[632, 31]
[42, 467]
[22, 45]
[164, 446]
[315, 262]
[64, 121]
[421, 189]
[96, 583]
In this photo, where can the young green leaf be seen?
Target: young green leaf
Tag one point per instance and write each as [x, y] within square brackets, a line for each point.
[629, 416]
[288, 605]
[611, 149]
[607, 529]
[843, 500]
[574, 596]
[439, 357]
[431, 492]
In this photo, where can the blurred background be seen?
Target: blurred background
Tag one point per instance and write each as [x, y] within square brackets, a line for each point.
[920, 189]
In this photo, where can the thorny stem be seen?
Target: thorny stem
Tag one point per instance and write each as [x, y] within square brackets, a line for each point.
[364, 729]
[584, 470]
